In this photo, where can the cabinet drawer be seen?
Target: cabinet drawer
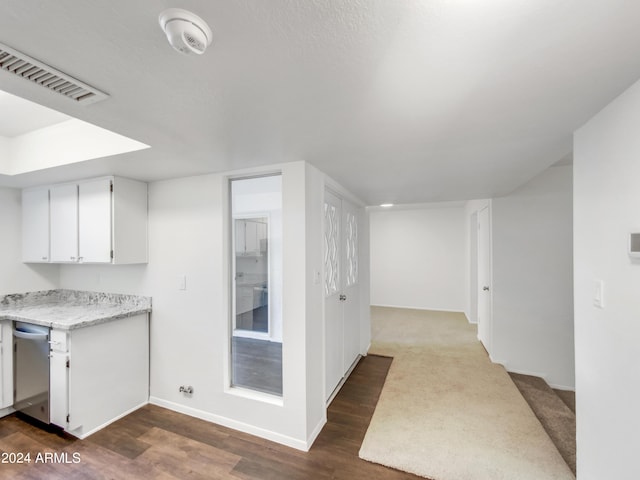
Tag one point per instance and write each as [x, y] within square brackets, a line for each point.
[59, 341]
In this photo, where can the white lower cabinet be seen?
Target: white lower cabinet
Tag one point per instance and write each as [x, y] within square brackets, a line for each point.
[98, 373]
[6, 364]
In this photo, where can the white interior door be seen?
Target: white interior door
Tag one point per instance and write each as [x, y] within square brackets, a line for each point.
[350, 284]
[341, 287]
[334, 349]
[484, 279]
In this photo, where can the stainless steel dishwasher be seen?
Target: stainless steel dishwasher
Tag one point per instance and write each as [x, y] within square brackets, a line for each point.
[31, 370]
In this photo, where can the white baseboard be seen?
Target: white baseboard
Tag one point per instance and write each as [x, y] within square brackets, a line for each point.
[469, 320]
[94, 430]
[344, 380]
[6, 411]
[562, 387]
[236, 425]
[418, 308]
[316, 431]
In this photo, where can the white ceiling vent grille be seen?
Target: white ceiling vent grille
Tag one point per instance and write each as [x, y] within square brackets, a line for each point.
[42, 74]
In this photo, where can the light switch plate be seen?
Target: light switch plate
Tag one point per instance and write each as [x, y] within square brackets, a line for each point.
[182, 282]
[598, 293]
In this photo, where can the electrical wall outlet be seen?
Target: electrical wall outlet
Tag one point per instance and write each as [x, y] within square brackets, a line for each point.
[182, 282]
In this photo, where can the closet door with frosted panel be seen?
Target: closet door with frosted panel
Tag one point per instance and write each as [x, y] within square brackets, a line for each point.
[334, 330]
[341, 288]
[350, 284]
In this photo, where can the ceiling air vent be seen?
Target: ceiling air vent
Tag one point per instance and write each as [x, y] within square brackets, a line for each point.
[42, 74]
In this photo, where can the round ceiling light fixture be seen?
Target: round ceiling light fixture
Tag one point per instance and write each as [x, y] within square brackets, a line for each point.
[185, 31]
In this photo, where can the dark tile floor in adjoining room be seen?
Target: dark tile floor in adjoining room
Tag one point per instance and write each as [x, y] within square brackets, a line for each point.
[257, 364]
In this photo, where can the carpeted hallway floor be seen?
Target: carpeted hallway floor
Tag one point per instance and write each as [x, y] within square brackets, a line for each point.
[556, 411]
[446, 412]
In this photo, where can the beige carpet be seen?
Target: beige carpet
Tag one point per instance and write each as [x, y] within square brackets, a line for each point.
[446, 412]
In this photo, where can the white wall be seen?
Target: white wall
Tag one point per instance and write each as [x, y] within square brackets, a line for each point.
[418, 257]
[188, 235]
[314, 296]
[532, 235]
[607, 340]
[15, 276]
[5, 167]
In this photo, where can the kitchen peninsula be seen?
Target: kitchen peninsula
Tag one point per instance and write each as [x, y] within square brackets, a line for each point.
[99, 354]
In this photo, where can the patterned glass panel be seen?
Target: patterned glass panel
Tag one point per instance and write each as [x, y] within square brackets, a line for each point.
[331, 251]
[351, 249]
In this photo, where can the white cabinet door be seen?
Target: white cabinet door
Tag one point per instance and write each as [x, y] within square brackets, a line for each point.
[262, 237]
[58, 379]
[6, 364]
[240, 234]
[35, 225]
[251, 237]
[59, 389]
[94, 221]
[64, 223]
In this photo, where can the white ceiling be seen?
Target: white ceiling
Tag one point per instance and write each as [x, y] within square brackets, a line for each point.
[19, 116]
[405, 102]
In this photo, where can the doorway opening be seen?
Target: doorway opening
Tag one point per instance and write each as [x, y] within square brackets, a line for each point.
[256, 284]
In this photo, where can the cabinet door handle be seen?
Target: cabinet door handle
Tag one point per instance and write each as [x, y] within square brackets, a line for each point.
[80, 259]
[343, 298]
[44, 258]
[73, 258]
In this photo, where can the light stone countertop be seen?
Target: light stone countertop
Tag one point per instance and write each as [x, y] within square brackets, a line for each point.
[71, 309]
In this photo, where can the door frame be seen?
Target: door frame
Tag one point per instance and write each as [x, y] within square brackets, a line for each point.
[249, 333]
[473, 263]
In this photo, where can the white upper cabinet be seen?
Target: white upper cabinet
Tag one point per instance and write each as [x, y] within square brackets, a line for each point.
[35, 227]
[64, 223]
[102, 220]
[94, 221]
[251, 236]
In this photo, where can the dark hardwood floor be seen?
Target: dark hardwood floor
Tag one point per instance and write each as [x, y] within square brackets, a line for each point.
[155, 443]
